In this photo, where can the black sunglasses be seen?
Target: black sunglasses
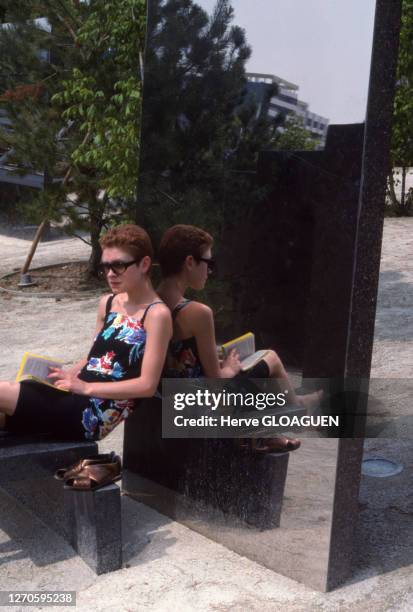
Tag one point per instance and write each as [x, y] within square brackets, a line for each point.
[211, 263]
[117, 267]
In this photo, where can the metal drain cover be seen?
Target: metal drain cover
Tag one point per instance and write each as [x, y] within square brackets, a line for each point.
[380, 468]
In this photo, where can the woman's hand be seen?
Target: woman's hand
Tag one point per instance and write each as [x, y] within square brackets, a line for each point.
[59, 374]
[232, 362]
[66, 380]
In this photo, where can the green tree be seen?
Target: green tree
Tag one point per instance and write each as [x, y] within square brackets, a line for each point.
[201, 131]
[293, 136]
[74, 114]
[191, 133]
[101, 100]
[402, 137]
[33, 55]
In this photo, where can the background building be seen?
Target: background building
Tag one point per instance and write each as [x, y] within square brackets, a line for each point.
[277, 98]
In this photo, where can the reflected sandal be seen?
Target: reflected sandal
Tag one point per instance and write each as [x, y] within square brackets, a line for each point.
[280, 444]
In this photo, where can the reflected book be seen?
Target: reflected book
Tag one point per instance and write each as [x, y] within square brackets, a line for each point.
[37, 368]
[245, 346]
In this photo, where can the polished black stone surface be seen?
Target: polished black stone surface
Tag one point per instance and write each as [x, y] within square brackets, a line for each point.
[310, 231]
[27, 458]
[307, 260]
[216, 473]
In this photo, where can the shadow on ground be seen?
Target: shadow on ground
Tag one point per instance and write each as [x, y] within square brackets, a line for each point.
[142, 526]
[23, 536]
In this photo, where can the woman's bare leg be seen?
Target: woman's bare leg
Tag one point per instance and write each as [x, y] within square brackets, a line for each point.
[279, 443]
[9, 394]
[277, 370]
[282, 443]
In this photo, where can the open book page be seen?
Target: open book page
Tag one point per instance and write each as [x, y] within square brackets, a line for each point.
[245, 345]
[250, 361]
[35, 367]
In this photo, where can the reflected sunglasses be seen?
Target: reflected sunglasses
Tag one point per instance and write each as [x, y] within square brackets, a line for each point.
[211, 263]
[117, 267]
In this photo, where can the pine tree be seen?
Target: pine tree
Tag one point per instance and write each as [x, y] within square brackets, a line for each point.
[194, 82]
[201, 133]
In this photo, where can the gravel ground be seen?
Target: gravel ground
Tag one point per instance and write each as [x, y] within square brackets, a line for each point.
[61, 328]
[58, 328]
[393, 337]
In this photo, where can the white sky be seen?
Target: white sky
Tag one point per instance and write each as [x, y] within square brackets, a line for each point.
[324, 46]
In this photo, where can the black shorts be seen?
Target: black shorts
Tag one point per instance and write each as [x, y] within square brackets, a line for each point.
[243, 381]
[260, 370]
[44, 410]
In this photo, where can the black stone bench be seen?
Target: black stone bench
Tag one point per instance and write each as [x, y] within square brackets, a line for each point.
[215, 475]
[93, 522]
[89, 521]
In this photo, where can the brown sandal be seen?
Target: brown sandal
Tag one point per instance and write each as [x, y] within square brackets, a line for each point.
[93, 477]
[71, 471]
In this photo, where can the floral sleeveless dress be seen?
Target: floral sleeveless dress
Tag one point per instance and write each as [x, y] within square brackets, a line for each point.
[183, 359]
[116, 354]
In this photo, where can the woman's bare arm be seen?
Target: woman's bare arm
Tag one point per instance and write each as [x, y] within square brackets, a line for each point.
[202, 322]
[158, 326]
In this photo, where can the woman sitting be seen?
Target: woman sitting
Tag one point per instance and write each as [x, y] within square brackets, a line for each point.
[185, 258]
[133, 330]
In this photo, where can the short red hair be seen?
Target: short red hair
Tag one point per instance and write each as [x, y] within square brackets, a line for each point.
[131, 238]
[177, 243]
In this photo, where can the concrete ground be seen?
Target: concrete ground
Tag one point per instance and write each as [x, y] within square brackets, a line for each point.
[167, 566]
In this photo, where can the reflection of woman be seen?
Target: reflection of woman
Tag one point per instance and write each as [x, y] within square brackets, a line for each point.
[125, 362]
[186, 259]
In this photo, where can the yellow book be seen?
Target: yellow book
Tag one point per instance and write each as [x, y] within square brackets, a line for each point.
[245, 346]
[36, 367]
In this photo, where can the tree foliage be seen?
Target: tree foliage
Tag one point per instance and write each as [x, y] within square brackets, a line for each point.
[103, 94]
[196, 65]
[402, 136]
[201, 132]
[77, 115]
[72, 92]
[294, 136]
[33, 54]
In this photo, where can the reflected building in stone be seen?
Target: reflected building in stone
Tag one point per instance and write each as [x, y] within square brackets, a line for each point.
[278, 98]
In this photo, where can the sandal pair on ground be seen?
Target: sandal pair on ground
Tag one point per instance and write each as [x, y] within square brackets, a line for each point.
[91, 473]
